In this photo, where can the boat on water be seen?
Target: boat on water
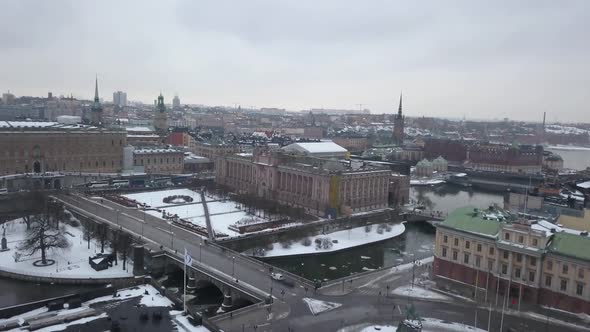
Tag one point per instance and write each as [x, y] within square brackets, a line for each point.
[459, 179]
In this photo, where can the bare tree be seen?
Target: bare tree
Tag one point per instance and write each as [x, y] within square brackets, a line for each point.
[88, 226]
[126, 242]
[101, 234]
[27, 220]
[116, 236]
[43, 236]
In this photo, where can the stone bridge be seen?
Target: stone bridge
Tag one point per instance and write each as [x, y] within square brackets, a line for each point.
[235, 295]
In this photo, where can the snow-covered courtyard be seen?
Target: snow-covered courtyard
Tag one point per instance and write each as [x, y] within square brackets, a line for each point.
[338, 240]
[71, 262]
[223, 212]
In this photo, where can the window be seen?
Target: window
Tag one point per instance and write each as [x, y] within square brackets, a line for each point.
[564, 269]
[445, 239]
[491, 251]
[467, 244]
[549, 264]
[563, 285]
[478, 247]
[505, 254]
[444, 252]
[517, 272]
[506, 236]
[548, 281]
[490, 265]
[456, 241]
[455, 254]
[466, 258]
[535, 242]
[531, 276]
[504, 268]
[579, 289]
[533, 261]
[477, 261]
[519, 258]
[520, 239]
[581, 273]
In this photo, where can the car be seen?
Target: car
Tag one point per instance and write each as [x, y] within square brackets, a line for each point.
[277, 276]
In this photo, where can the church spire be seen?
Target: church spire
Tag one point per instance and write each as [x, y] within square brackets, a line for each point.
[96, 90]
[399, 110]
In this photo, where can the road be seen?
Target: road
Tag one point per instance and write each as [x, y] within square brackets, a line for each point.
[361, 301]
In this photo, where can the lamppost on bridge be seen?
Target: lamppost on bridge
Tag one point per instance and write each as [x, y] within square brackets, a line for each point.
[200, 251]
[233, 265]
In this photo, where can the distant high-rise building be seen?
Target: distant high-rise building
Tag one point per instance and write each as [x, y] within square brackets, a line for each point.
[176, 102]
[161, 118]
[96, 108]
[7, 98]
[398, 124]
[120, 98]
[49, 95]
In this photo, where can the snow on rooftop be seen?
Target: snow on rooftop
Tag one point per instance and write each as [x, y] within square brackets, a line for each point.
[316, 147]
[139, 129]
[585, 185]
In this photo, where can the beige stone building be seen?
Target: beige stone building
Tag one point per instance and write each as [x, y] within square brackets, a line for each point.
[530, 261]
[213, 150]
[354, 144]
[159, 160]
[320, 186]
[37, 147]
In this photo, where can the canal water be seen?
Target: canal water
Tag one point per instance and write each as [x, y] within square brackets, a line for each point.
[415, 243]
[574, 159]
[13, 292]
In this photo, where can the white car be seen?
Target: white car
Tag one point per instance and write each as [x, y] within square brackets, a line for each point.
[277, 276]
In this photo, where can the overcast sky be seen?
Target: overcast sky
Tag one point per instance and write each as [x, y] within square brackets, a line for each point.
[481, 59]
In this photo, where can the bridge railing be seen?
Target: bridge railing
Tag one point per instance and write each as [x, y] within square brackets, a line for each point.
[220, 277]
[268, 267]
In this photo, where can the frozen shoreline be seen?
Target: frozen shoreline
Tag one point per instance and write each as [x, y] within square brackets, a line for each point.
[347, 239]
[568, 147]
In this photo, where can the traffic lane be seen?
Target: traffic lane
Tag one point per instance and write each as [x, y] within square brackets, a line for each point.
[159, 231]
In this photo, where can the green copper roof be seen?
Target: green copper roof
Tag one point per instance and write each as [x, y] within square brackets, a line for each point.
[571, 245]
[467, 220]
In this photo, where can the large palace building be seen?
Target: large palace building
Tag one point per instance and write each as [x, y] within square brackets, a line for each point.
[38, 147]
[320, 186]
[525, 159]
[531, 261]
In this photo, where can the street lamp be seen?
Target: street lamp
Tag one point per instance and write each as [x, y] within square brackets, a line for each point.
[200, 251]
[233, 265]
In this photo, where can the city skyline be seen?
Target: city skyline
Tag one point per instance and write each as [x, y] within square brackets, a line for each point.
[517, 61]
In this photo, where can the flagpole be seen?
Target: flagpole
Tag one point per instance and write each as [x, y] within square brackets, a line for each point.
[184, 297]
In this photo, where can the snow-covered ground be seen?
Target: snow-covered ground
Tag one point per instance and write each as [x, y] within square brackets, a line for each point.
[559, 129]
[71, 262]
[318, 306]
[428, 325]
[419, 293]
[346, 239]
[223, 213]
[155, 199]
